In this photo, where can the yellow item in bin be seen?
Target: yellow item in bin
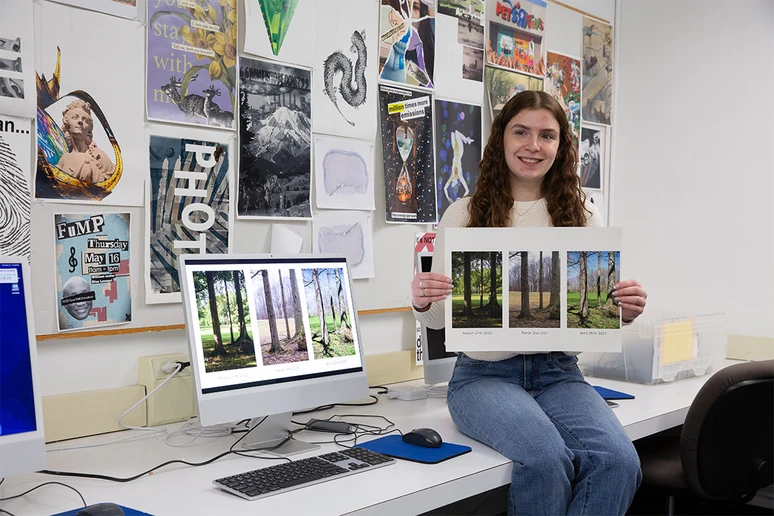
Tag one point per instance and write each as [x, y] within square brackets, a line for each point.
[677, 342]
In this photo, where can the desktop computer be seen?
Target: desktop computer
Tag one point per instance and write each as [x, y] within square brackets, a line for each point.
[22, 443]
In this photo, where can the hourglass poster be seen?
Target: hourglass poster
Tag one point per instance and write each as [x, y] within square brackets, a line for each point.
[406, 119]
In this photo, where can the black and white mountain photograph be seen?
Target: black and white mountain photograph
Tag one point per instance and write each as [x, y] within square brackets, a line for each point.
[275, 132]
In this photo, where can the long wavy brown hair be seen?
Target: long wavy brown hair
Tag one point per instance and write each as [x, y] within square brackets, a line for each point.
[491, 205]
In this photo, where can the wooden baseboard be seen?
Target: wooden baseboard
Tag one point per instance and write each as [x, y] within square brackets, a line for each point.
[741, 347]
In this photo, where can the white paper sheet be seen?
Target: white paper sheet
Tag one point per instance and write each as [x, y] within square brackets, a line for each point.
[344, 173]
[349, 234]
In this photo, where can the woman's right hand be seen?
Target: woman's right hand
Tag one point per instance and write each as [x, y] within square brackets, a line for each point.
[427, 287]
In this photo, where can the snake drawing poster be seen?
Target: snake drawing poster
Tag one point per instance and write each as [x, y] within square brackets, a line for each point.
[93, 281]
[407, 42]
[15, 158]
[344, 97]
[275, 137]
[191, 62]
[406, 118]
[458, 149]
[89, 115]
[188, 208]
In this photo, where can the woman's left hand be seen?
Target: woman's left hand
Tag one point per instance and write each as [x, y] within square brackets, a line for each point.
[631, 298]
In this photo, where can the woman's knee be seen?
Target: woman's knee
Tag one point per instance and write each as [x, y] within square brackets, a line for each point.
[622, 463]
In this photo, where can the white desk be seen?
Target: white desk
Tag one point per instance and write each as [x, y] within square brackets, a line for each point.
[403, 488]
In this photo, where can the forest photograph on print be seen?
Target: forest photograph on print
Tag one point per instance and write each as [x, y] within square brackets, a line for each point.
[597, 84]
[590, 157]
[591, 280]
[187, 209]
[477, 289]
[326, 301]
[191, 62]
[533, 289]
[224, 320]
[563, 82]
[458, 148]
[407, 42]
[279, 316]
[406, 119]
[89, 148]
[15, 203]
[275, 138]
[516, 31]
[502, 85]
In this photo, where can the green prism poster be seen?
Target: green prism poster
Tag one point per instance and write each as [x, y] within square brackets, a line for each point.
[277, 15]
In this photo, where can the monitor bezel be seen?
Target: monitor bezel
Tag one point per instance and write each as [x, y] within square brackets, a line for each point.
[252, 401]
[25, 452]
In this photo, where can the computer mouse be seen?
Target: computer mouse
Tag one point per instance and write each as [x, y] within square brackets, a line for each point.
[101, 509]
[425, 437]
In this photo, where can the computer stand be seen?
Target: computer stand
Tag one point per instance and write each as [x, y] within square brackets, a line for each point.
[270, 432]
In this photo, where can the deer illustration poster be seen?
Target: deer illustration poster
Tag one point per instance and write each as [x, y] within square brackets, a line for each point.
[187, 208]
[191, 62]
[93, 282]
[344, 96]
[407, 150]
[88, 115]
[275, 136]
[15, 159]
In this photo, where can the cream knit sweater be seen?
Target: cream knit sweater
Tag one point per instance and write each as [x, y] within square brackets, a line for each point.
[535, 215]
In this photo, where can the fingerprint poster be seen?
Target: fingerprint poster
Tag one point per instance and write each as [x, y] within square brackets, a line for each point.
[15, 162]
[93, 284]
[406, 119]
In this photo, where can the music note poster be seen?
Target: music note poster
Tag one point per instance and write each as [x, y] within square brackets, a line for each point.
[93, 283]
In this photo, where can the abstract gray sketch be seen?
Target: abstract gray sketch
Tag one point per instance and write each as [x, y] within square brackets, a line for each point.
[344, 173]
[344, 239]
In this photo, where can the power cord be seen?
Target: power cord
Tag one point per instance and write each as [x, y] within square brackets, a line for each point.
[6, 512]
[196, 430]
[328, 407]
[38, 487]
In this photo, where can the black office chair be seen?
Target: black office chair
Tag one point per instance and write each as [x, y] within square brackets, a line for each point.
[724, 451]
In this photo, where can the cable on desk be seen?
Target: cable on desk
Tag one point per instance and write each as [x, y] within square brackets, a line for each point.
[41, 485]
[6, 512]
[327, 407]
[2, 480]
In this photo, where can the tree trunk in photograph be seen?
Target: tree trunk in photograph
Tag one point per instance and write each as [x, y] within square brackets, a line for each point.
[524, 286]
[611, 272]
[468, 307]
[244, 339]
[284, 306]
[228, 307]
[325, 339]
[297, 310]
[219, 349]
[540, 280]
[481, 281]
[494, 306]
[275, 345]
[333, 305]
[584, 289]
[554, 303]
[599, 279]
[344, 325]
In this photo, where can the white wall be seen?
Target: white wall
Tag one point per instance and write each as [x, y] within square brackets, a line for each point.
[694, 170]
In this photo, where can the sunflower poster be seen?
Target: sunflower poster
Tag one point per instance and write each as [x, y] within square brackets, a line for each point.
[191, 62]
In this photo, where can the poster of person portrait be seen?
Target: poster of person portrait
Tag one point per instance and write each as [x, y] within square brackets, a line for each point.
[17, 59]
[89, 146]
[344, 98]
[563, 82]
[406, 118]
[591, 156]
[597, 83]
[458, 148]
[121, 8]
[407, 42]
[15, 160]
[502, 85]
[93, 281]
[187, 210]
[275, 137]
[516, 35]
[191, 62]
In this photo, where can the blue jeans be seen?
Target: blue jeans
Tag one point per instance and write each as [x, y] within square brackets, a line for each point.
[570, 453]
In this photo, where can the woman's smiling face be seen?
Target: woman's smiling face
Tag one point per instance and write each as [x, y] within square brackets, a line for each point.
[530, 144]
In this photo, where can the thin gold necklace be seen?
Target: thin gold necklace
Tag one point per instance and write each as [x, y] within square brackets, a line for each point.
[521, 215]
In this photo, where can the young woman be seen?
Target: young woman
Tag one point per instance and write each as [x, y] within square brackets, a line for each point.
[570, 453]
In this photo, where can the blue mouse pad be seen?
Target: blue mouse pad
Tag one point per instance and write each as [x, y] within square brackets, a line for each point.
[610, 394]
[393, 446]
[127, 512]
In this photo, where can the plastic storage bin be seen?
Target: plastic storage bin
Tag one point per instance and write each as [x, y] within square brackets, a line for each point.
[663, 348]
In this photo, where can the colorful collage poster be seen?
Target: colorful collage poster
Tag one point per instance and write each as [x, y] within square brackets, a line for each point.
[17, 59]
[458, 148]
[275, 138]
[90, 147]
[187, 209]
[407, 150]
[15, 160]
[597, 85]
[191, 62]
[516, 35]
[121, 8]
[93, 282]
[502, 85]
[563, 82]
[407, 42]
